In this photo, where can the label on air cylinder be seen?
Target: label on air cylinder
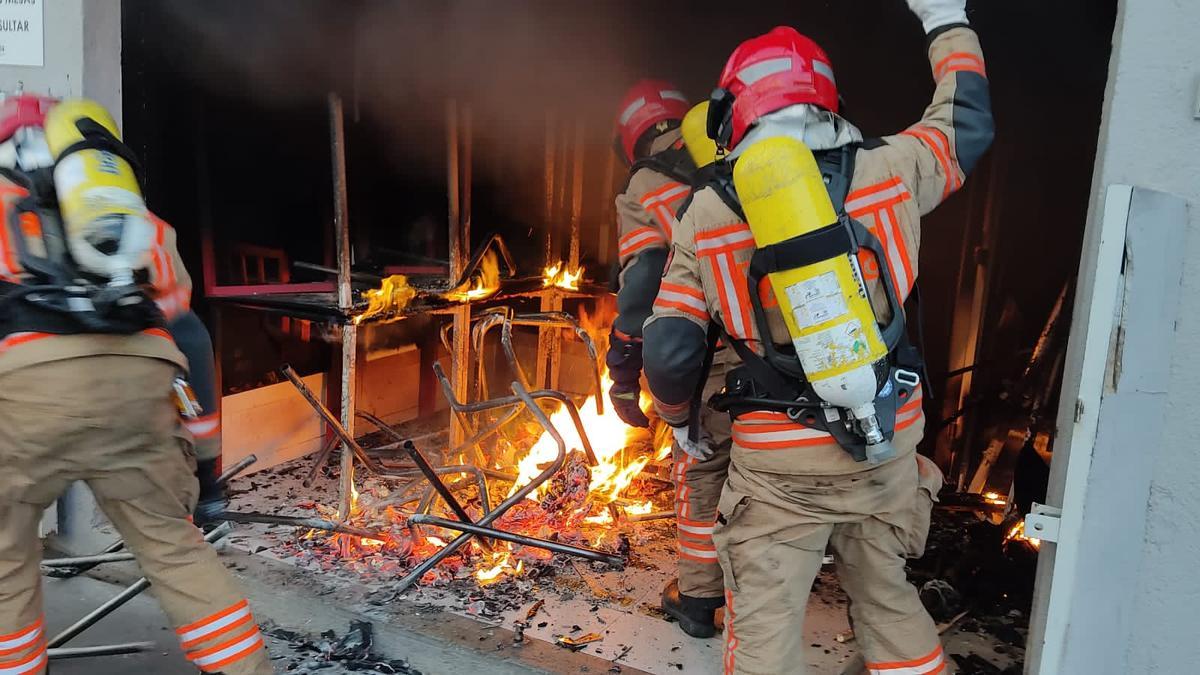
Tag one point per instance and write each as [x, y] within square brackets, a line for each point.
[816, 300]
[836, 347]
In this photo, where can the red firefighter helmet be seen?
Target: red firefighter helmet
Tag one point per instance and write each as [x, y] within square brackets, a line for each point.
[646, 104]
[768, 73]
[23, 110]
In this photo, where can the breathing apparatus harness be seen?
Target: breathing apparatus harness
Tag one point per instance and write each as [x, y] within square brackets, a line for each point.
[775, 381]
[674, 163]
[57, 296]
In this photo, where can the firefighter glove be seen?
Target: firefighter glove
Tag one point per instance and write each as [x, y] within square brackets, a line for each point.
[937, 13]
[701, 448]
[213, 500]
[626, 401]
[625, 368]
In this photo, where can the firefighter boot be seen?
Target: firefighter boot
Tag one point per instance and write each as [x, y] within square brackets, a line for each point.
[695, 615]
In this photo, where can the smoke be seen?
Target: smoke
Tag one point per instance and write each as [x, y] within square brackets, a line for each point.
[396, 63]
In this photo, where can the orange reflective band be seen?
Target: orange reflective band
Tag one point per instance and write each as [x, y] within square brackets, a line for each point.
[733, 290]
[934, 662]
[724, 240]
[19, 339]
[9, 267]
[683, 298]
[643, 237]
[763, 416]
[31, 225]
[21, 640]
[783, 436]
[236, 621]
[31, 663]
[236, 648]
[193, 631]
[208, 426]
[897, 252]
[671, 191]
[731, 641]
[885, 193]
[959, 62]
[937, 143]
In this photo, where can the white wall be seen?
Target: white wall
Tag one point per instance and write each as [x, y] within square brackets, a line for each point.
[1145, 621]
[1153, 140]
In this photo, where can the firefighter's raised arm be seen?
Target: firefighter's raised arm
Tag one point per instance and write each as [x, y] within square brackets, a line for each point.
[934, 156]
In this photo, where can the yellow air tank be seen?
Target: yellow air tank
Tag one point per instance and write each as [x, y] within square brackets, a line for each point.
[104, 214]
[695, 135]
[825, 304]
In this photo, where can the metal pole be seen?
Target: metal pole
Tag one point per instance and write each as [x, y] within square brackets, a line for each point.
[576, 199]
[460, 244]
[480, 531]
[89, 560]
[294, 521]
[103, 650]
[554, 467]
[341, 225]
[121, 598]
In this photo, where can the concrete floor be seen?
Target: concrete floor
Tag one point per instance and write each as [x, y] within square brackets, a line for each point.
[141, 620]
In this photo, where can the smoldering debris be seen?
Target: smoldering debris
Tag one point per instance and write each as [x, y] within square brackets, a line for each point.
[351, 651]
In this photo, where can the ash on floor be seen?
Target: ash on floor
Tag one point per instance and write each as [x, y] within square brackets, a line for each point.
[556, 596]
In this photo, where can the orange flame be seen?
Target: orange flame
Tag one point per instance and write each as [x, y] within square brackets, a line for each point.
[482, 285]
[1017, 533]
[609, 437]
[392, 296]
[561, 276]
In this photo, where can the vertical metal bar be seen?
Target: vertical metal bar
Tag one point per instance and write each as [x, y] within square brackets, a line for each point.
[544, 334]
[551, 151]
[460, 346]
[467, 146]
[606, 212]
[341, 225]
[576, 198]
[454, 221]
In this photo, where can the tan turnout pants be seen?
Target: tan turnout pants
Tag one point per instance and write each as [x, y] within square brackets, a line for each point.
[109, 421]
[771, 536]
[697, 491]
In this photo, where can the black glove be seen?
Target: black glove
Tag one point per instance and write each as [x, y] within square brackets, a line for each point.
[213, 500]
[625, 368]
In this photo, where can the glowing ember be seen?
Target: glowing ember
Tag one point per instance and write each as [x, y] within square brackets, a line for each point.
[1017, 533]
[994, 498]
[436, 542]
[559, 275]
[392, 296]
[640, 509]
[503, 565]
[483, 284]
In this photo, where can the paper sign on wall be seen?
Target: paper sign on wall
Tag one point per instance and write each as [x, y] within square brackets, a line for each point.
[22, 30]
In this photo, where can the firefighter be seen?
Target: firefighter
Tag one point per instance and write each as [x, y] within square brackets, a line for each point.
[661, 170]
[802, 473]
[87, 381]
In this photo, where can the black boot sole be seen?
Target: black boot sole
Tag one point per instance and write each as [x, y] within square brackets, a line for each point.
[689, 625]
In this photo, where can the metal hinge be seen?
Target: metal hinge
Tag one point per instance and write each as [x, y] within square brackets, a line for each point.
[1042, 522]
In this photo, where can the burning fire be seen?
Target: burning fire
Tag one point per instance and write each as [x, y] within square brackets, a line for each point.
[483, 284]
[1017, 533]
[559, 275]
[392, 296]
[994, 498]
[609, 437]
